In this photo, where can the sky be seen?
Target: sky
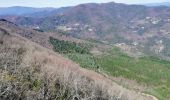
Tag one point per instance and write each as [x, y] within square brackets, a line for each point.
[64, 3]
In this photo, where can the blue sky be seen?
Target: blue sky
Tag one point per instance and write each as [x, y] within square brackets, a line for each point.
[62, 3]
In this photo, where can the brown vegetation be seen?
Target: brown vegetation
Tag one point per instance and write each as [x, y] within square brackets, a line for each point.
[29, 71]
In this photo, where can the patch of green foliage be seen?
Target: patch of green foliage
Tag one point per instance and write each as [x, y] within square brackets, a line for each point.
[65, 47]
[85, 60]
[151, 71]
[79, 53]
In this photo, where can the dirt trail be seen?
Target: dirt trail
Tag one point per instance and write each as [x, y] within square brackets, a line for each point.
[148, 95]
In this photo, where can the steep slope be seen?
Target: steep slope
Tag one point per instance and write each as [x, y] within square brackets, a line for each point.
[29, 71]
[36, 35]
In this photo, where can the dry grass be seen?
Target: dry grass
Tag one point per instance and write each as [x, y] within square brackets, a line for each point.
[29, 71]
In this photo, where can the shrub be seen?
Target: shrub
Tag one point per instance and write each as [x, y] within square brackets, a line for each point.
[62, 46]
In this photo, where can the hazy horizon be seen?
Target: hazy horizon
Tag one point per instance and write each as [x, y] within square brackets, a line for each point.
[65, 3]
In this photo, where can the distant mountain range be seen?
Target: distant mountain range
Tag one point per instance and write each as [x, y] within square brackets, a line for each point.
[100, 20]
[159, 4]
[17, 10]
